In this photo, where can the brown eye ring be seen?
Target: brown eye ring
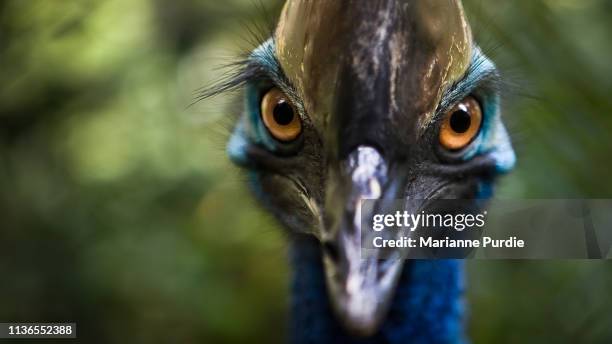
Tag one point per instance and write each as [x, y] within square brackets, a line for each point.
[461, 124]
[280, 116]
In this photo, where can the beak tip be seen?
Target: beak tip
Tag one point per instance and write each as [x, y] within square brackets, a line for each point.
[360, 302]
[360, 323]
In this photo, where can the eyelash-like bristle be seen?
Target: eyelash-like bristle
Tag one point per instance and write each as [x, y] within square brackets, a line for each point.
[237, 74]
[243, 68]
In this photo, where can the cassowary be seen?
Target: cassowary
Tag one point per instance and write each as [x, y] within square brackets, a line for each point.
[378, 99]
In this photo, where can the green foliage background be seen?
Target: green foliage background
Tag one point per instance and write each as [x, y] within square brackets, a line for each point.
[118, 209]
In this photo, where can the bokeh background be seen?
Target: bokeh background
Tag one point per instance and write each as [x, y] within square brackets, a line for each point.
[119, 210]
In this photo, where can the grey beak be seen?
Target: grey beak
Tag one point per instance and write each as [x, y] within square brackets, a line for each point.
[360, 288]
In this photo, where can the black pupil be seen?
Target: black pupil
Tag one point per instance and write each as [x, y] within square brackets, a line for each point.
[283, 113]
[460, 121]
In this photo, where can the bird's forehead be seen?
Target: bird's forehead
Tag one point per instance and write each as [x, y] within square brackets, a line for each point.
[413, 48]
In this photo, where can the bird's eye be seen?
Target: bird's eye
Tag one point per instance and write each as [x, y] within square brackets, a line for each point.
[280, 116]
[461, 124]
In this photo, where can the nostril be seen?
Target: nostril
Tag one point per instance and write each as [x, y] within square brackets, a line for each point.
[331, 249]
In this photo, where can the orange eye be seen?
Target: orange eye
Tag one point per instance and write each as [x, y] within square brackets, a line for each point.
[280, 116]
[461, 124]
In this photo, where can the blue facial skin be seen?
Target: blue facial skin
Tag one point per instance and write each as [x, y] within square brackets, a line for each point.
[492, 138]
[251, 129]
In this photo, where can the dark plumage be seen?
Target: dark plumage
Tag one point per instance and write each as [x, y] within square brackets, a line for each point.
[389, 99]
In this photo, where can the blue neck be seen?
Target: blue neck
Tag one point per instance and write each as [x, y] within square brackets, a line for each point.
[427, 307]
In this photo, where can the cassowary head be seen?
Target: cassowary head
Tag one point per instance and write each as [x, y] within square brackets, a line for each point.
[384, 99]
